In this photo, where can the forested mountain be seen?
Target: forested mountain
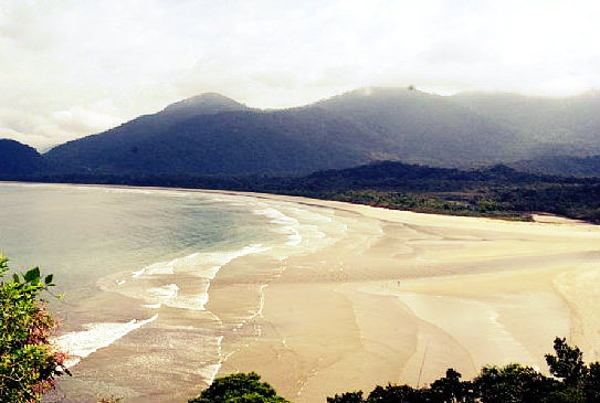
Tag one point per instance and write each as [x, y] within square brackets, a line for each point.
[417, 127]
[230, 143]
[550, 125]
[208, 103]
[392, 175]
[212, 134]
[17, 158]
[561, 165]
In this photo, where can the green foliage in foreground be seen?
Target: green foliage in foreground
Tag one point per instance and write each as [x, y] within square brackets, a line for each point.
[28, 364]
[573, 382]
[239, 388]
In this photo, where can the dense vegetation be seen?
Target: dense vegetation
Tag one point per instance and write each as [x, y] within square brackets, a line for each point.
[29, 365]
[19, 159]
[211, 134]
[499, 191]
[573, 382]
[239, 388]
[552, 126]
[561, 166]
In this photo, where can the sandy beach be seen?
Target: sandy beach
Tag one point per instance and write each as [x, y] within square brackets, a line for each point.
[338, 297]
[400, 297]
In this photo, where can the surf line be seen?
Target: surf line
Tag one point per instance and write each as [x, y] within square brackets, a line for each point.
[81, 344]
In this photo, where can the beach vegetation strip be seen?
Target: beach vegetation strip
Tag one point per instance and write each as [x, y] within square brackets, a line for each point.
[497, 191]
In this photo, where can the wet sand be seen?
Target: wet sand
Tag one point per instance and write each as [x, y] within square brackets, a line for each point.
[400, 297]
[351, 298]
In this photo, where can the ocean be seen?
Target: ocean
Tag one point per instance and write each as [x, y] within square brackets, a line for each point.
[155, 287]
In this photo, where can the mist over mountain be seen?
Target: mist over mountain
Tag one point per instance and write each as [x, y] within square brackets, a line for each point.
[208, 103]
[212, 134]
[418, 127]
[193, 137]
[549, 126]
[584, 167]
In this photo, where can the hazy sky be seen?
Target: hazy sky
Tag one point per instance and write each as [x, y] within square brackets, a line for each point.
[72, 68]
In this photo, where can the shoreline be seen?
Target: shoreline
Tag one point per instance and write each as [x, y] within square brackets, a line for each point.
[536, 216]
[383, 296]
[520, 284]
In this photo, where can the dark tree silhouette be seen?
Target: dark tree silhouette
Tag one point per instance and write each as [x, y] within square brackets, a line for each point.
[239, 388]
[567, 363]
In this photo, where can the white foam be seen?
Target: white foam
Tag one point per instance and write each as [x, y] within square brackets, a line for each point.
[277, 217]
[290, 224]
[303, 228]
[155, 268]
[210, 372]
[208, 264]
[159, 269]
[138, 273]
[261, 304]
[82, 343]
[311, 215]
[193, 302]
[164, 292]
[294, 238]
[204, 265]
[211, 272]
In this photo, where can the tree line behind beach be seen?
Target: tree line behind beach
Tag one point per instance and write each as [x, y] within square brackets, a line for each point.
[498, 191]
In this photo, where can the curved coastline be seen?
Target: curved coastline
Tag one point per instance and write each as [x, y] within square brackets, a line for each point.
[352, 296]
[403, 296]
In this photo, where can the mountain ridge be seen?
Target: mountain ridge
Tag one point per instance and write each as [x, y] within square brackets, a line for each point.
[213, 134]
[17, 158]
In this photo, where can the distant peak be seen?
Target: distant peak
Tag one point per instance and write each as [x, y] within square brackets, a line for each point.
[377, 94]
[204, 104]
[368, 91]
[384, 92]
[209, 97]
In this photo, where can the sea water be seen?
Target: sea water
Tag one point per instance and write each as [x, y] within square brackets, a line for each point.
[136, 267]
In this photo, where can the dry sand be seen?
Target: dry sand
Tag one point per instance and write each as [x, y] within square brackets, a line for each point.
[402, 296]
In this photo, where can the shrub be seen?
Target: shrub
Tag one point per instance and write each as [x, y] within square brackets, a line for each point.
[29, 364]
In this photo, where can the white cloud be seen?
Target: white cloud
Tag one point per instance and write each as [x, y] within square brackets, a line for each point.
[80, 120]
[30, 139]
[68, 68]
[46, 129]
